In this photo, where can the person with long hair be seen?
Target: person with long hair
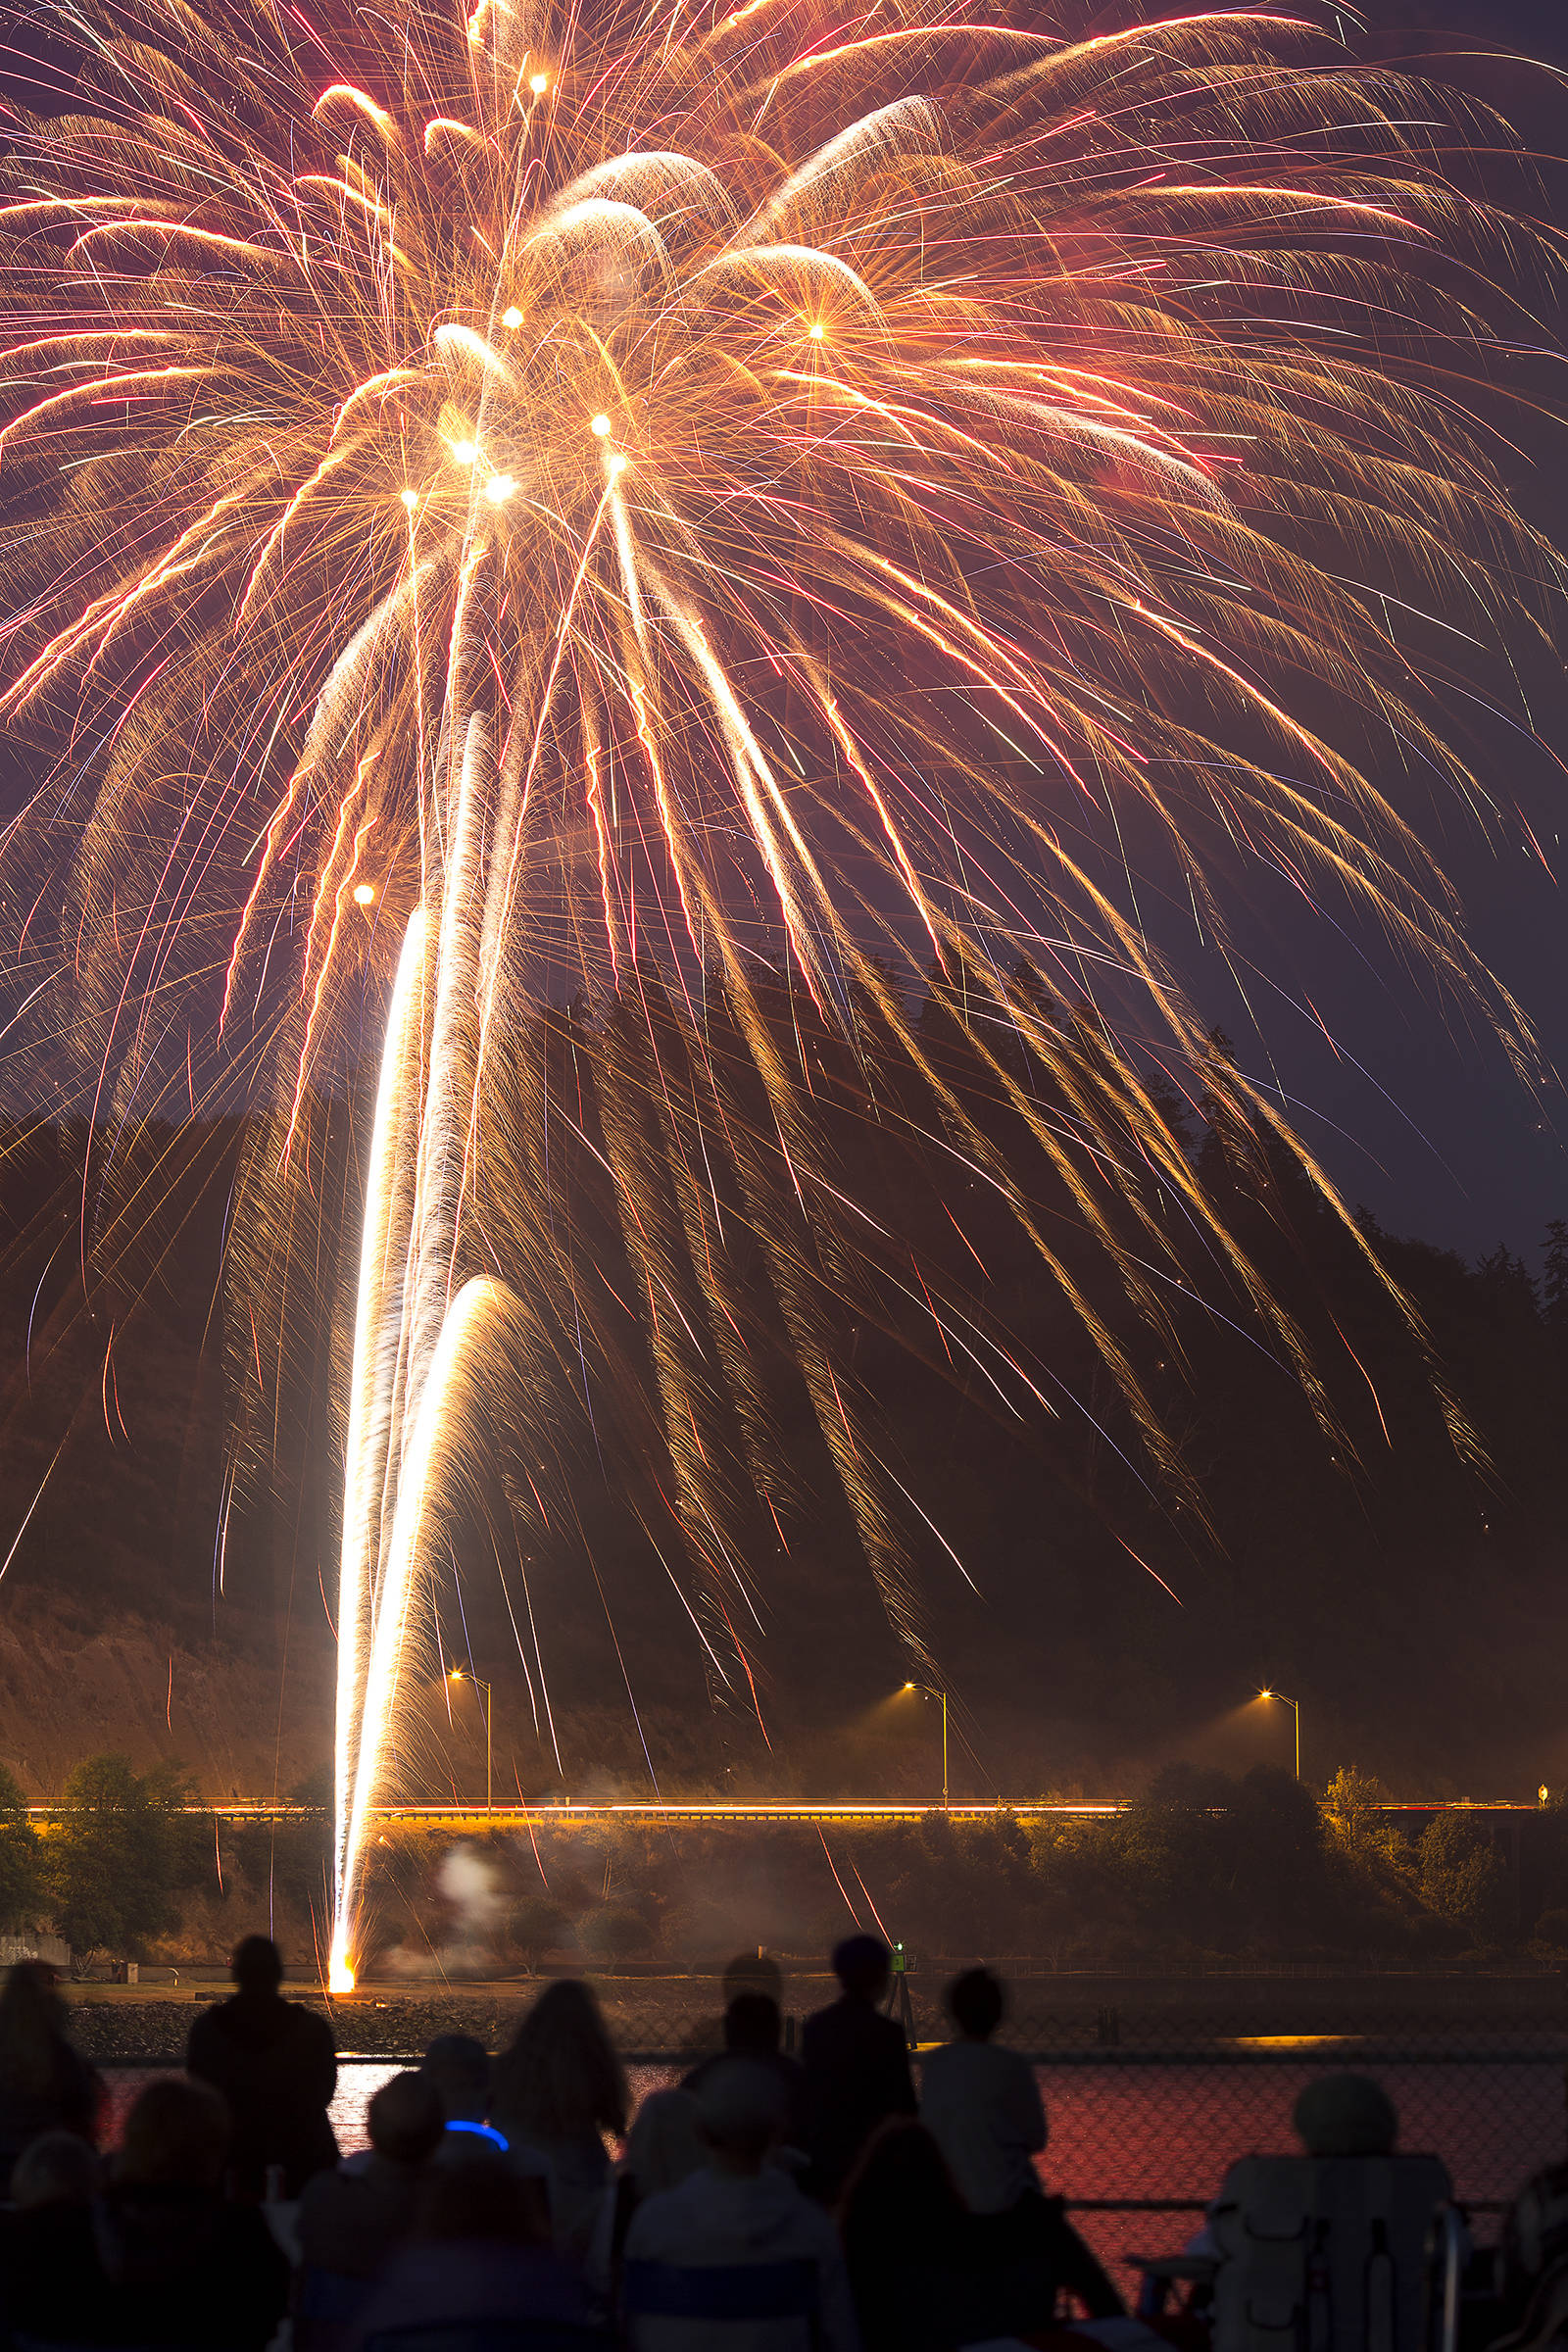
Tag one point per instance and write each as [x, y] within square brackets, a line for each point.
[906, 2238]
[558, 2090]
[45, 2083]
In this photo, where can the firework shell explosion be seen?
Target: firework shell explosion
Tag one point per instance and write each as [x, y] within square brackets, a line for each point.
[641, 503]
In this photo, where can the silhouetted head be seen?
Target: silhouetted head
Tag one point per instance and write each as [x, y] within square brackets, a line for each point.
[752, 2026]
[753, 1972]
[55, 2169]
[257, 1965]
[458, 2067]
[900, 2203]
[861, 1964]
[975, 2003]
[176, 2135]
[1346, 2114]
[33, 2026]
[741, 2110]
[664, 2145]
[561, 2079]
[405, 2117]
[481, 2200]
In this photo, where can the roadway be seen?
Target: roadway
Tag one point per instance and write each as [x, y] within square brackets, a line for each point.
[475, 1820]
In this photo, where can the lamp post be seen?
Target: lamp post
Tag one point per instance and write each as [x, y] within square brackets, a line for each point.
[943, 1697]
[458, 1676]
[1295, 1710]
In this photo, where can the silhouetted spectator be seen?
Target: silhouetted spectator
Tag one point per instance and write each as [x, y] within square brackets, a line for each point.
[482, 2252]
[906, 2245]
[274, 2063]
[740, 2210]
[753, 1972]
[749, 1971]
[753, 2028]
[46, 2085]
[458, 2067]
[557, 2092]
[161, 2259]
[352, 2222]
[855, 2066]
[1346, 2115]
[981, 2106]
[1336, 2116]
[662, 2147]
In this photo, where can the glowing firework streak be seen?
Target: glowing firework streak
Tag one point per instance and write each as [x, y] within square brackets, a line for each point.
[477, 1318]
[696, 486]
[384, 1249]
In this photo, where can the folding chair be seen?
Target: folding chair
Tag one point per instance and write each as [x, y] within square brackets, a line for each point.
[1335, 2254]
[739, 2293]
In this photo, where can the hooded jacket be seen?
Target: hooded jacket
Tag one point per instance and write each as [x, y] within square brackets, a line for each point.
[717, 2219]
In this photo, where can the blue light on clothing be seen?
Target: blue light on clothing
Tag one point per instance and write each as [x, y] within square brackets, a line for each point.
[484, 2131]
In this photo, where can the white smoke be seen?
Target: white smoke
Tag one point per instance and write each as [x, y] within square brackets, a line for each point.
[473, 1888]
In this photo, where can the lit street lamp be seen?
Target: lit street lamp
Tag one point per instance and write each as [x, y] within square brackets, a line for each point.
[943, 1697]
[458, 1676]
[1297, 1712]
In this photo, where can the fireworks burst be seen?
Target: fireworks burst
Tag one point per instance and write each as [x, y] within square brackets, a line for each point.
[513, 503]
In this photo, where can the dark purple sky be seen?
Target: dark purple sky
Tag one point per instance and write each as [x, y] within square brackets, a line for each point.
[1445, 1143]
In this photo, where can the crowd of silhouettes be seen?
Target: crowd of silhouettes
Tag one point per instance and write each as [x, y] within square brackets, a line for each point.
[763, 2205]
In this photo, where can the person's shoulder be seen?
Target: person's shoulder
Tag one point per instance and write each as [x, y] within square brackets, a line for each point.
[663, 2215]
[307, 2022]
[209, 2024]
[331, 2187]
[996, 2058]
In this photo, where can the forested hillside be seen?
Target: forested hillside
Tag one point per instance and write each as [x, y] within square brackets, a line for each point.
[1376, 1527]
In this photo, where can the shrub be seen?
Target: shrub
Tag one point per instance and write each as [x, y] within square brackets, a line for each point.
[612, 1933]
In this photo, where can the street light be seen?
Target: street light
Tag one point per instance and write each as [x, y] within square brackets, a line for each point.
[458, 1676]
[1295, 1710]
[943, 1697]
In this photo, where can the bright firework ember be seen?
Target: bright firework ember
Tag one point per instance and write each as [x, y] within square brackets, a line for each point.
[563, 494]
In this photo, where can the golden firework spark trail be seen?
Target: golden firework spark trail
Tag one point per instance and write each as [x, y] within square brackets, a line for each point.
[501, 505]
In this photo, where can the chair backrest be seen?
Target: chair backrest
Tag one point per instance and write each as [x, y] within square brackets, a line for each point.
[729, 2291]
[1325, 2254]
[491, 2335]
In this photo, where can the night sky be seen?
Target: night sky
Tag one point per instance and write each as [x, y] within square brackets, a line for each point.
[1435, 1133]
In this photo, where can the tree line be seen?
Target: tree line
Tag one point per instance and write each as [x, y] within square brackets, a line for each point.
[1203, 1866]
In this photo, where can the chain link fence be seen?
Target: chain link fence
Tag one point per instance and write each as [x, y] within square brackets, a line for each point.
[1151, 2087]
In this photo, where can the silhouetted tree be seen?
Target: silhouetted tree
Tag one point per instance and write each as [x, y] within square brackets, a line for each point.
[1554, 1276]
[122, 1850]
[21, 1890]
[1462, 1873]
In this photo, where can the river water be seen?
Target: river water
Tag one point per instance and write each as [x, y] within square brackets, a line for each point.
[1121, 2130]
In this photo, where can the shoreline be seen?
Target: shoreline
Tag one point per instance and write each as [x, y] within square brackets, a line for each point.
[678, 2017]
